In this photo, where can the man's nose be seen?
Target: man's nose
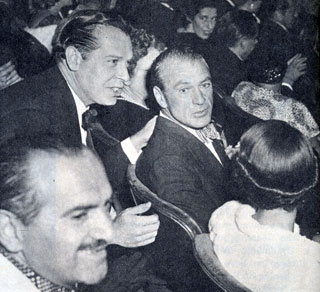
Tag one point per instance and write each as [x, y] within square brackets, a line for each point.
[198, 97]
[123, 74]
[210, 24]
[101, 227]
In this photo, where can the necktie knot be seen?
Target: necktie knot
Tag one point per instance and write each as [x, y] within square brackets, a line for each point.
[89, 117]
[209, 132]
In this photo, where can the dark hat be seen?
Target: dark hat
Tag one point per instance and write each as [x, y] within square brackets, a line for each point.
[268, 71]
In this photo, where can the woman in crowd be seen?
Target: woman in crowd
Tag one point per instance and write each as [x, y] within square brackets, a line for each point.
[198, 32]
[259, 242]
[262, 98]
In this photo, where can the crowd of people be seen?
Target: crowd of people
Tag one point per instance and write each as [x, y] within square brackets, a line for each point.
[215, 102]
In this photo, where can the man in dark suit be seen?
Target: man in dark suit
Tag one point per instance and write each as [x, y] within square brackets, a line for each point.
[92, 51]
[181, 165]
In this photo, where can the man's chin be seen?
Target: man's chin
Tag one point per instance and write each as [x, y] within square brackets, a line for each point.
[94, 275]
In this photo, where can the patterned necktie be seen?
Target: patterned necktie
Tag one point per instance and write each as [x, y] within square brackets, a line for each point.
[211, 134]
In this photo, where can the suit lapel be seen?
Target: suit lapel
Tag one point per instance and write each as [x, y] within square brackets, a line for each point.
[199, 150]
[65, 110]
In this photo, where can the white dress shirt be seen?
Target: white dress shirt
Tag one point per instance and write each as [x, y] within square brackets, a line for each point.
[126, 145]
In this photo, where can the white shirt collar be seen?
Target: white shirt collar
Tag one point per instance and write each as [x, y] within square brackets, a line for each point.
[81, 108]
[280, 24]
[231, 3]
[166, 5]
[208, 144]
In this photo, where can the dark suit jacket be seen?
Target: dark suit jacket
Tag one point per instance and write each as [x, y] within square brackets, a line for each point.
[182, 170]
[275, 42]
[123, 119]
[44, 104]
[226, 69]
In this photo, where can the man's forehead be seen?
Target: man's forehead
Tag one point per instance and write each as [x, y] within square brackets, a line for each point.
[181, 67]
[114, 38]
[69, 179]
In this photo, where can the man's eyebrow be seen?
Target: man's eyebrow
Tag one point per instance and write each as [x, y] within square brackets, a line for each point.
[206, 79]
[79, 208]
[113, 56]
[181, 82]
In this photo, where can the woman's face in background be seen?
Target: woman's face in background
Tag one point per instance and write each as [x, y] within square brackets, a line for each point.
[204, 22]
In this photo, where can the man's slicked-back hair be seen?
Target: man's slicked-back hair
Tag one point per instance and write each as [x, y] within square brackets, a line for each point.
[79, 30]
[18, 191]
[181, 53]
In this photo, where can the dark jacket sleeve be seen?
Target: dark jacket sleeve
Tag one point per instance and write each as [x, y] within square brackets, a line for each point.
[114, 160]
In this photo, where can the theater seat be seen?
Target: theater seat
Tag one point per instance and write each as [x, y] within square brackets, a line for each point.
[211, 265]
[141, 193]
[186, 238]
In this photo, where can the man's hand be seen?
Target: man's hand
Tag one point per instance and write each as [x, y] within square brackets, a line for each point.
[297, 67]
[132, 230]
[141, 138]
[8, 75]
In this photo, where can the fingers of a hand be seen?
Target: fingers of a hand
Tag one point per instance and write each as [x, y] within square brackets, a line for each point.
[148, 236]
[145, 220]
[140, 209]
[143, 243]
[6, 70]
[12, 77]
[293, 58]
[6, 65]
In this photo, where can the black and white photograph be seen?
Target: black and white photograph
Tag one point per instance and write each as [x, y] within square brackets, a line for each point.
[159, 146]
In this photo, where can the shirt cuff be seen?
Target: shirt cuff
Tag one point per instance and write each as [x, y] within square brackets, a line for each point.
[130, 151]
[287, 84]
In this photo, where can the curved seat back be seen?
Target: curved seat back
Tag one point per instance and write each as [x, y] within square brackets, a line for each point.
[211, 265]
[141, 192]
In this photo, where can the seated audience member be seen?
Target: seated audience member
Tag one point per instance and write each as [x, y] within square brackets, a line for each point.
[203, 15]
[45, 14]
[262, 98]
[56, 217]
[130, 114]
[237, 32]
[258, 242]
[160, 18]
[28, 55]
[179, 162]
[92, 50]
[278, 40]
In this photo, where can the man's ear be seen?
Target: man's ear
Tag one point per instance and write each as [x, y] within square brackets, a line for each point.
[158, 94]
[73, 58]
[10, 231]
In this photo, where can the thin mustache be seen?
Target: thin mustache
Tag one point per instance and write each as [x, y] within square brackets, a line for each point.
[95, 245]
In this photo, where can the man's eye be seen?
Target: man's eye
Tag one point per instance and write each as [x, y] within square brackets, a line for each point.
[206, 85]
[80, 216]
[183, 90]
[108, 207]
[113, 61]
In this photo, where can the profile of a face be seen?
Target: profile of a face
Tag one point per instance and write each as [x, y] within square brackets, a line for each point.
[103, 73]
[66, 242]
[204, 22]
[187, 95]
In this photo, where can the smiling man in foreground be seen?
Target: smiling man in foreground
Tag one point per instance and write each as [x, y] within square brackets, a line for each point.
[55, 221]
